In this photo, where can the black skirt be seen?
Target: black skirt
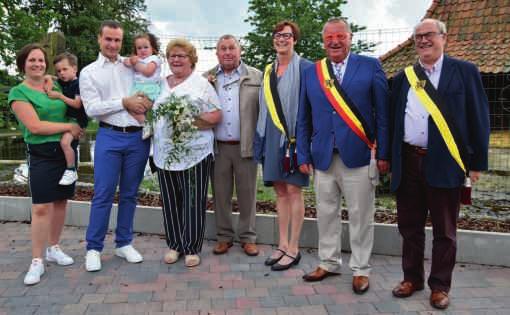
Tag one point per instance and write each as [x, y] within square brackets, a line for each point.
[46, 165]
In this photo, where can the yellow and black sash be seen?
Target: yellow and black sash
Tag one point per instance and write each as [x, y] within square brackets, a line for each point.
[435, 106]
[341, 103]
[274, 104]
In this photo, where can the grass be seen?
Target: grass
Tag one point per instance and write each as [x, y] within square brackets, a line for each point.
[264, 193]
[495, 181]
[383, 200]
[500, 139]
[150, 183]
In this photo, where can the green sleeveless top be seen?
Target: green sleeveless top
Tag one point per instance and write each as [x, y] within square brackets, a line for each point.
[46, 108]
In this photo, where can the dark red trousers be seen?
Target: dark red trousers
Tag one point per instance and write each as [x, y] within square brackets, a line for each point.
[415, 199]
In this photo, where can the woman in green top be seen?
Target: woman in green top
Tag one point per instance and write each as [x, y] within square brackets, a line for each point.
[42, 121]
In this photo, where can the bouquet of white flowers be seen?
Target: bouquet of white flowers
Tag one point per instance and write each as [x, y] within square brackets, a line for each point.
[180, 112]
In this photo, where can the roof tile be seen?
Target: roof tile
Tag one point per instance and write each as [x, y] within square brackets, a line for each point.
[478, 31]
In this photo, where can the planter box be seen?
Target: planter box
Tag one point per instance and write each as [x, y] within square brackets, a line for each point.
[15, 208]
[473, 246]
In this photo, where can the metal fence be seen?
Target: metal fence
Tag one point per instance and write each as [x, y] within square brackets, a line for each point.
[384, 40]
[495, 184]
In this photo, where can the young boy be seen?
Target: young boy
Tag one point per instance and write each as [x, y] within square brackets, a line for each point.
[66, 67]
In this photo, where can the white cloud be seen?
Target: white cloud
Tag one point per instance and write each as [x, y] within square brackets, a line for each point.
[199, 17]
[388, 22]
[203, 18]
[378, 14]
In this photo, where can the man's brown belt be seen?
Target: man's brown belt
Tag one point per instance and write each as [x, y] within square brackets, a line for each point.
[414, 149]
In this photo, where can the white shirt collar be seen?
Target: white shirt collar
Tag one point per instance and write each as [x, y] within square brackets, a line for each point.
[236, 70]
[437, 66]
[103, 60]
[343, 62]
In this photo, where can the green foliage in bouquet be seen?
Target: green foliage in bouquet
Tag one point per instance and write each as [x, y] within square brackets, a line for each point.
[180, 113]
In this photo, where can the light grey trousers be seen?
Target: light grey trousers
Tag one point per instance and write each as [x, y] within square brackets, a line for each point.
[358, 191]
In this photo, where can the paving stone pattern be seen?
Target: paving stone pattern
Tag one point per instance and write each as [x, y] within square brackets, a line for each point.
[231, 284]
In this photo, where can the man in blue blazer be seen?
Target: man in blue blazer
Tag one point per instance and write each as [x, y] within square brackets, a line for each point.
[327, 142]
[425, 176]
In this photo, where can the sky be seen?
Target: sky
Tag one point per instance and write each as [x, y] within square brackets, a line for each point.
[214, 18]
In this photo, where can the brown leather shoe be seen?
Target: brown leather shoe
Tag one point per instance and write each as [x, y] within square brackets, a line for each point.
[360, 284]
[221, 247]
[318, 275]
[439, 299]
[250, 249]
[405, 289]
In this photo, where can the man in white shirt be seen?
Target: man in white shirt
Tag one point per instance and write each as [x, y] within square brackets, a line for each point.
[237, 86]
[120, 153]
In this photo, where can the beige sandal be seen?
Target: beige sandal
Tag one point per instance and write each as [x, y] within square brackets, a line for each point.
[172, 256]
[192, 260]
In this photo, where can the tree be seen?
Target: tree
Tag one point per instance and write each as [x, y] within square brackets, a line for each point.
[26, 21]
[7, 118]
[19, 26]
[310, 15]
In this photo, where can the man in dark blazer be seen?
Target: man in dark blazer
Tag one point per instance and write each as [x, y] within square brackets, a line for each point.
[340, 157]
[425, 176]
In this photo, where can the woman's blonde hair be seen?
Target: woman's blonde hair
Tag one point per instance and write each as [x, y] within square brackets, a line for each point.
[188, 47]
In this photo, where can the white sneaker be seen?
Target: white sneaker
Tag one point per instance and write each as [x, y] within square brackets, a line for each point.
[68, 178]
[55, 254]
[93, 260]
[35, 272]
[129, 253]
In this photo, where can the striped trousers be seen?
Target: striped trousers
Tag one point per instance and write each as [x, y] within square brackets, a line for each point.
[184, 195]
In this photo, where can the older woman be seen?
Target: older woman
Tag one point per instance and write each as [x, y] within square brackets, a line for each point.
[183, 182]
[275, 142]
[42, 121]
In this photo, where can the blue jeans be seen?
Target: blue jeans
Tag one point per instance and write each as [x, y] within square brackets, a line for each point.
[120, 158]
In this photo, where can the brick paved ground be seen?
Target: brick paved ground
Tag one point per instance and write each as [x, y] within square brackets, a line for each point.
[229, 284]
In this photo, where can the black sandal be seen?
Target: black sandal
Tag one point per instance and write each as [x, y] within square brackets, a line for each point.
[280, 267]
[271, 261]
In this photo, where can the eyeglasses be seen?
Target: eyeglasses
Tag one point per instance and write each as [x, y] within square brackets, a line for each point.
[426, 36]
[282, 35]
[176, 56]
[337, 36]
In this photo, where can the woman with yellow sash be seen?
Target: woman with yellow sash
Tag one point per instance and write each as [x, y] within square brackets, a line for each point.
[274, 144]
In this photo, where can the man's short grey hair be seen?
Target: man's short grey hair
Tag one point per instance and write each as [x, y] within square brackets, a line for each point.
[441, 27]
[337, 20]
[228, 36]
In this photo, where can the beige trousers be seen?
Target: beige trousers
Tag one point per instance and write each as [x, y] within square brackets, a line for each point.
[358, 191]
[230, 169]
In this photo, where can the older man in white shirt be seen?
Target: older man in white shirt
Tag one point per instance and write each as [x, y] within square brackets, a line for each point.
[237, 85]
[120, 153]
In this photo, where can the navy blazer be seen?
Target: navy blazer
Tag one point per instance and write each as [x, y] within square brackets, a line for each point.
[460, 87]
[320, 128]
